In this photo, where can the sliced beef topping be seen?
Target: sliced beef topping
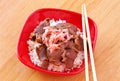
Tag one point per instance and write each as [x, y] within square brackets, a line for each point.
[45, 64]
[71, 28]
[69, 58]
[39, 38]
[55, 57]
[41, 52]
[79, 43]
[71, 54]
[39, 30]
[33, 36]
[69, 63]
[37, 33]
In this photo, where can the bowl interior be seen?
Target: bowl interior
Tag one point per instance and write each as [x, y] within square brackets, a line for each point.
[39, 15]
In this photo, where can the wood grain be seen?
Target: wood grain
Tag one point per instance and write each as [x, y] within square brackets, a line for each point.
[105, 13]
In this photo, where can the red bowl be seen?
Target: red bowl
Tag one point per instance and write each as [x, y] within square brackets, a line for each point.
[39, 15]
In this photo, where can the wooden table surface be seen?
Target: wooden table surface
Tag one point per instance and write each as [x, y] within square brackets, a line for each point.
[106, 13]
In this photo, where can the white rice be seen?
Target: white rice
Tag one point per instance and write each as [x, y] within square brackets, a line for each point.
[56, 68]
[79, 59]
[54, 23]
[35, 59]
[33, 54]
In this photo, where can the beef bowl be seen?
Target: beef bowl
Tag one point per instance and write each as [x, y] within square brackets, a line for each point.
[51, 41]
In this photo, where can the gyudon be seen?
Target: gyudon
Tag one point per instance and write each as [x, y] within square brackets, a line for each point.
[56, 46]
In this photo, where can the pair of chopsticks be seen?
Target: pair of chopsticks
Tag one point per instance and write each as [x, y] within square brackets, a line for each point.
[85, 28]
